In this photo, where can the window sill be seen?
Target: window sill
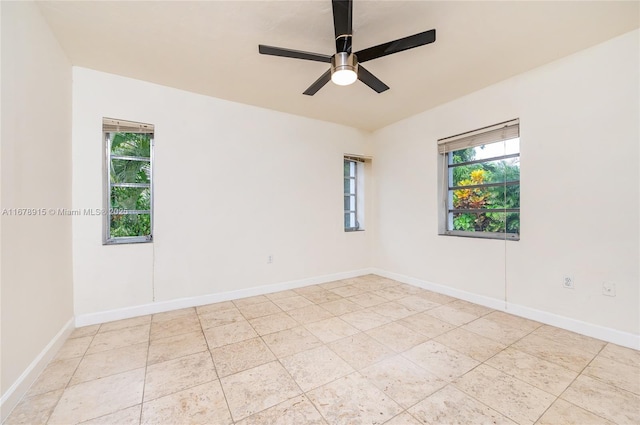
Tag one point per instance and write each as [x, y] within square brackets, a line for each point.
[483, 235]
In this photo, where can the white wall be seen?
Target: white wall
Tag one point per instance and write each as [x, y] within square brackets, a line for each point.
[579, 121]
[36, 276]
[234, 184]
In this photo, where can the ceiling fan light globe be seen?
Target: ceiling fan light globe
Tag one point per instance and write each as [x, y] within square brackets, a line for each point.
[344, 77]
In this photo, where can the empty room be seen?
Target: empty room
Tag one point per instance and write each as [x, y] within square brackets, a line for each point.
[320, 212]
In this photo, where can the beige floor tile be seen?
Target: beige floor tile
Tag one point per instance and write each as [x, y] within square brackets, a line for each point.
[281, 294]
[75, 347]
[360, 350]
[104, 341]
[471, 308]
[365, 319]
[273, 323]
[497, 331]
[615, 373]
[99, 397]
[513, 321]
[253, 311]
[397, 336]
[334, 284]
[34, 410]
[473, 345]
[55, 376]
[451, 315]
[125, 323]
[295, 411]
[409, 289]
[347, 291]
[390, 293]
[183, 324]
[110, 362]
[221, 318]
[515, 399]
[441, 360]
[620, 354]
[582, 342]
[173, 314]
[309, 314]
[352, 400]
[215, 308]
[331, 329]
[540, 373]
[243, 302]
[128, 416]
[340, 307]
[371, 285]
[565, 413]
[240, 356]
[367, 299]
[393, 310]
[291, 341]
[403, 419]
[321, 296]
[452, 406]
[84, 331]
[257, 389]
[203, 404]
[316, 367]
[404, 381]
[436, 297]
[605, 400]
[559, 352]
[308, 290]
[291, 303]
[164, 349]
[426, 325]
[416, 303]
[228, 334]
[175, 375]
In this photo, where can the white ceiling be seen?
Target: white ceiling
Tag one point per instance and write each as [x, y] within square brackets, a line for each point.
[212, 47]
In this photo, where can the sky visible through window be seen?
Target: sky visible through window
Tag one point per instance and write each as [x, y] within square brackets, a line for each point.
[498, 149]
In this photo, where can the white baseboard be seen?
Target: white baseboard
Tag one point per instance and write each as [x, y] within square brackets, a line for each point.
[625, 339]
[162, 306]
[19, 388]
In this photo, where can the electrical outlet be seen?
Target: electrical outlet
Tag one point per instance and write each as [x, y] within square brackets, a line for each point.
[609, 289]
[568, 283]
[270, 259]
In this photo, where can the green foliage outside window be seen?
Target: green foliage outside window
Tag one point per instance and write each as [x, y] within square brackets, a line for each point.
[489, 198]
[130, 171]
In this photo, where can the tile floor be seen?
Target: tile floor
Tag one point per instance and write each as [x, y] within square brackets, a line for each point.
[367, 350]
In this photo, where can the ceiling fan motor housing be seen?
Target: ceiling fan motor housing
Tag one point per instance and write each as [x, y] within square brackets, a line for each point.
[343, 62]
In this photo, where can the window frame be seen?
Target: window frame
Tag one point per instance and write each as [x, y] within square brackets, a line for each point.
[112, 126]
[354, 177]
[497, 133]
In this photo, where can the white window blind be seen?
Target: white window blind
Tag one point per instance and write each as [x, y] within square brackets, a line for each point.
[110, 125]
[495, 133]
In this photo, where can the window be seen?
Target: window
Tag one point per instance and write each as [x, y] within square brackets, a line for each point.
[480, 182]
[128, 179]
[353, 193]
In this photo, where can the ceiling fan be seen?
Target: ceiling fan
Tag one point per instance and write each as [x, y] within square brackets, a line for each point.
[345, 64]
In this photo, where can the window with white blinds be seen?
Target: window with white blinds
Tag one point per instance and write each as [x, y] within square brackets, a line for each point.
[128, 181]
[480, 182]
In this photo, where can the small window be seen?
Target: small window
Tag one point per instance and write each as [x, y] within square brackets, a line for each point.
[353, 193]
[128, 180]
[480, 183]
